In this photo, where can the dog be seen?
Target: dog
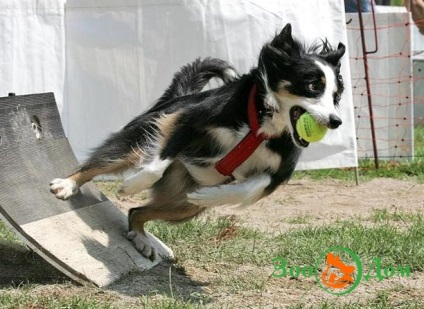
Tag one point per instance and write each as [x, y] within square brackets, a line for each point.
[177, 147]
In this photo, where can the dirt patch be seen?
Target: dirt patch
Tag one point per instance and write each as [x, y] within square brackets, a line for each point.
[315, 202]
[325, 201]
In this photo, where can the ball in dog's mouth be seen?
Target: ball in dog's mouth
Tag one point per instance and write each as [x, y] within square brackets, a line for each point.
[295, 113]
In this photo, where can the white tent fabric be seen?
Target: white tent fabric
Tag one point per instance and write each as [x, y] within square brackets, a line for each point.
[121, 55]
[32, 47]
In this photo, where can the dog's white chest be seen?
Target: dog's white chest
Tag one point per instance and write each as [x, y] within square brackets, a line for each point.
[261, 160]
[206, 176]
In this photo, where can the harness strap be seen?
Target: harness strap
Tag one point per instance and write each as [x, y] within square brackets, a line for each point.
[247, 145]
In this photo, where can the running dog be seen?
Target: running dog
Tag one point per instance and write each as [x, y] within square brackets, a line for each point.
[234, 144]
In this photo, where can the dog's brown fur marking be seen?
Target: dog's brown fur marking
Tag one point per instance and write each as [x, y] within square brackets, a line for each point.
[115, 167]
[166, 125]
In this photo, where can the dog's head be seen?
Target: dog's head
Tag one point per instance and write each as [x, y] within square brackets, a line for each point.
[299, 80]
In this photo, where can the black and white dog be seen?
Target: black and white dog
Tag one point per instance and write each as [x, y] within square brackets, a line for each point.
[175, 147]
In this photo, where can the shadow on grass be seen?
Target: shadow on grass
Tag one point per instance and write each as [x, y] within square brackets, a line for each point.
[164, 279]
[20, 265]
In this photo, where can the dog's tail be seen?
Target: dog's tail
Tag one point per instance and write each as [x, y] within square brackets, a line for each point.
[193, 77]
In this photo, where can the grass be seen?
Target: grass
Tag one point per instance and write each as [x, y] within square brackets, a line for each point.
[213, 242]
[7, 234]
[408, 170]
[419, 141]
[395, 247]
[224, 241]
[381, 301]
[209, 243]
[168, 304]
[384, 215]
[299, 220]
[30, 297]
[25, 299]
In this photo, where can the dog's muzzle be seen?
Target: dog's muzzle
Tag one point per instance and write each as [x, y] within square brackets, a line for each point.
[334, 122]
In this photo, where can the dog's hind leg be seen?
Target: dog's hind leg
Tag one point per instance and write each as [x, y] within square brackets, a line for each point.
[157, 161]
[168, 203]
[156, 210]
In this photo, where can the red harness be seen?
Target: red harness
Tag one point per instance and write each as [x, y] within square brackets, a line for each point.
[247, 145]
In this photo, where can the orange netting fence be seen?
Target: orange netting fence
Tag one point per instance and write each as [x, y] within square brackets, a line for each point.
[387, 86]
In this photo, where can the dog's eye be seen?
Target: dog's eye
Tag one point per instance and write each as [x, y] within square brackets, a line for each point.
[340, 78]
[313, 87]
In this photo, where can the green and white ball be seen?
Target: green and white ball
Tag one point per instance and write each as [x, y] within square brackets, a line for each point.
[309, 129]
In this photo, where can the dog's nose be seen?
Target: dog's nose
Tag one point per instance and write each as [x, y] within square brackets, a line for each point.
[334, 122]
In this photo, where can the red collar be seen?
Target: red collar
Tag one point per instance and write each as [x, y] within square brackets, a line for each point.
[247, 145]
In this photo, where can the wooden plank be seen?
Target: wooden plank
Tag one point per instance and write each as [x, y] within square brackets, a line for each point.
[83, 237]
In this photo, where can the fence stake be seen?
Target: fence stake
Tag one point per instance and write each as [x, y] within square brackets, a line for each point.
[357, 175]
[365, 53]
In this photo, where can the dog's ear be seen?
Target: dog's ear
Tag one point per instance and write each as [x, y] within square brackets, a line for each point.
[283, 46]
[284, 40]
[333, 56]
[286, 33]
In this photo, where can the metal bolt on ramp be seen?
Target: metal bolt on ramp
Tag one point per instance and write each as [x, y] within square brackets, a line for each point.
[85, 236]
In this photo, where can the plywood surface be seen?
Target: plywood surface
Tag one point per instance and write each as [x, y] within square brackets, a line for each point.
[83, 237]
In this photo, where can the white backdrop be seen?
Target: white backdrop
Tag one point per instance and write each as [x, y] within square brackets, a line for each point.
[121, 55]
[32, 47]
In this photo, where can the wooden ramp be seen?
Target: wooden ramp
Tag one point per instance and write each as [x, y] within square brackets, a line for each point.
[83, 237]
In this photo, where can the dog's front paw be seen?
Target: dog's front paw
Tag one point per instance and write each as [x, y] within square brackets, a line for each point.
[63, 188]
[142, 244]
